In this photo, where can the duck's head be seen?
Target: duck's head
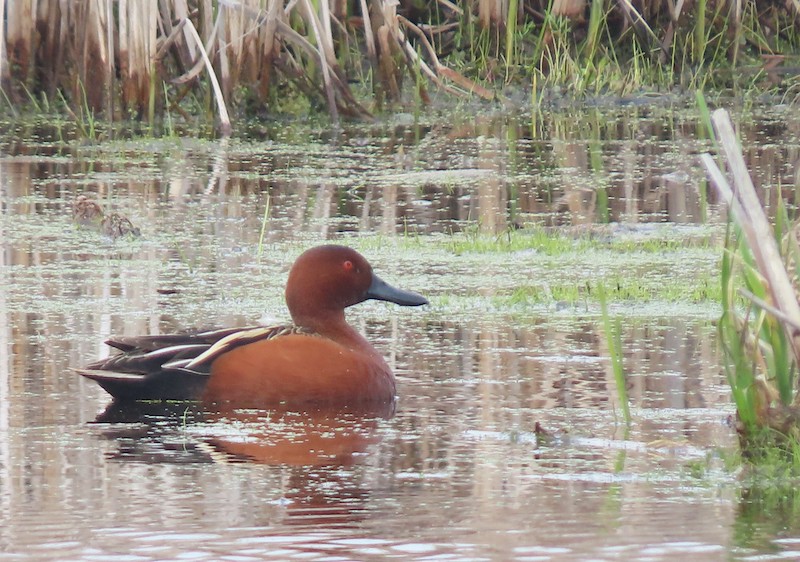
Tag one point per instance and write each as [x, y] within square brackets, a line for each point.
[327, 279]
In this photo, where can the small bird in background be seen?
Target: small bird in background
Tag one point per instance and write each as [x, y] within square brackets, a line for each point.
[116, 226]
[88, 212]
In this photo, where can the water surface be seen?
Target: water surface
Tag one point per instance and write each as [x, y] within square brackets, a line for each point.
[506, 442]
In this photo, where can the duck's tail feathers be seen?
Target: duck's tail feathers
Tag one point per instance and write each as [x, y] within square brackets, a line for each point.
[177, 384]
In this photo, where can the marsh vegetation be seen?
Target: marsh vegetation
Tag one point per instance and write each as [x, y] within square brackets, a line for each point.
[198, 62]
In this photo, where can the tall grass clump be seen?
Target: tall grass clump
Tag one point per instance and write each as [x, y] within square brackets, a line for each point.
[760, 323]
[760, 364]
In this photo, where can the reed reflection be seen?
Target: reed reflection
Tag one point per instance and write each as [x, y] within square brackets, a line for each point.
[491, 172]
[536, 366]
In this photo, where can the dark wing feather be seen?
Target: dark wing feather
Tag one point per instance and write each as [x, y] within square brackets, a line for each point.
[151, 343]
[173, 367]
[142, 361]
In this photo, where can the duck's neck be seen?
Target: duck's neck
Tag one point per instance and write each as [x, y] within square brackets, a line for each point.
[333, 325]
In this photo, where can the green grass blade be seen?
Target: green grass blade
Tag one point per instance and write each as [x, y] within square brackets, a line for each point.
[614, 341]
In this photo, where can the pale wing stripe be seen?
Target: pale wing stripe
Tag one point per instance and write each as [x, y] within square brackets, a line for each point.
[244, 337]
[224, 330]
[222, 345]
[96, 373]
[174, 350]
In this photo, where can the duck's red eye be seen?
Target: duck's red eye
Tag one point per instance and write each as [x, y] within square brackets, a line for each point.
[348, 265]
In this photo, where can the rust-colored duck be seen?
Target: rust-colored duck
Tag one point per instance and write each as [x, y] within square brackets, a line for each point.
[318, 359]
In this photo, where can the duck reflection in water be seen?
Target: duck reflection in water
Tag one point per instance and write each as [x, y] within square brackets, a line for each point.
[312, 437]
[319, 457]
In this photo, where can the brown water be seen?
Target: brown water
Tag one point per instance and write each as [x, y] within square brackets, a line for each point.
[460, 471]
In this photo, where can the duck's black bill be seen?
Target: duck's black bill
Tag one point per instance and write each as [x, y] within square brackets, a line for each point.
[380, 290]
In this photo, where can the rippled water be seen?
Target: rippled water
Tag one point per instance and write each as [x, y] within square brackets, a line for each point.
[506, 442]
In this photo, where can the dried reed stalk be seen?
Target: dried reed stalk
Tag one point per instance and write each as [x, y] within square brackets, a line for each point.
[746, 206]
[95, 55]
[568, 8]
[277, 31]
[181, 12]
[736, 10]
[49, 54]
[675, 9]
[137, 48]
[193, 47]
[327, 56]
[239, 43]
[269, 42]
[5, 74]
[640, 25]
[109, 61]
[492, 13]
[224, 82]
[20, 33]
[385, 22]
[369, 36]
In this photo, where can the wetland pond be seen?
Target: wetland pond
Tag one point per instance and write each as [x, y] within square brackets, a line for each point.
[508, 226]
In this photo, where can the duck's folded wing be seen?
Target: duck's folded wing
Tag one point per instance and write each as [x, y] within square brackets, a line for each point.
[202, 363]
[172, 367]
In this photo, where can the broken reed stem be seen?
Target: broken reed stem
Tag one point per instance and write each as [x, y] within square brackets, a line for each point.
[762, 304]
[225, 121]
[438, 69]
[639, 23]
